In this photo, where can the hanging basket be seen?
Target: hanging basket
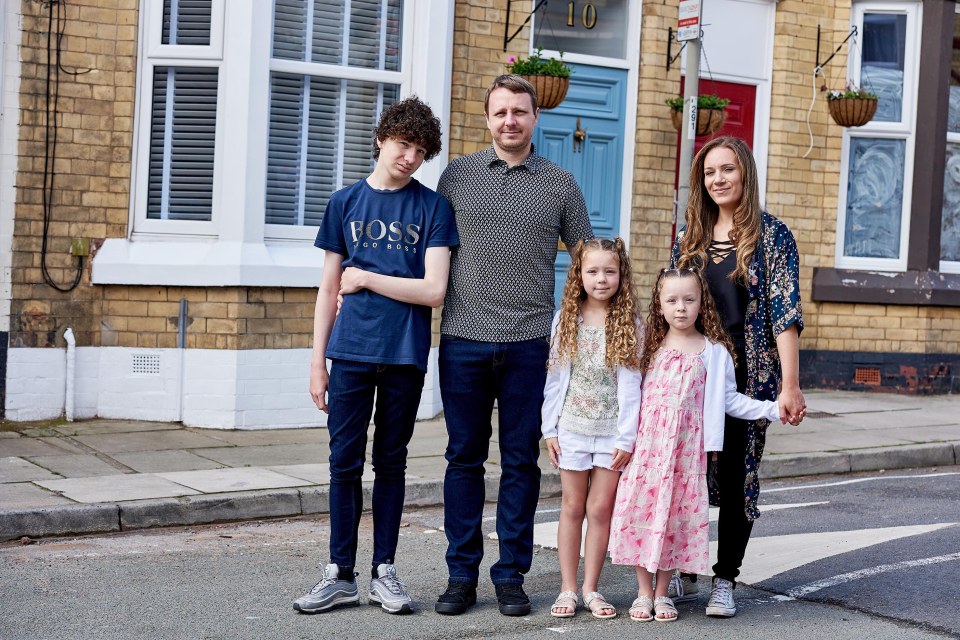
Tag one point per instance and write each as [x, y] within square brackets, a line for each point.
[551, 90]
[852, 112]
[708, 120]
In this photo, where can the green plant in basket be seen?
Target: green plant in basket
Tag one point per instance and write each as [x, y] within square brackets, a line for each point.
[537, 65]
[711, 101]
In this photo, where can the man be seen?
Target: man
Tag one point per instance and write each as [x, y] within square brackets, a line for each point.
[511, 206]
[387, 246]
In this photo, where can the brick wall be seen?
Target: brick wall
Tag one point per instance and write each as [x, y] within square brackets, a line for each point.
[91, 200]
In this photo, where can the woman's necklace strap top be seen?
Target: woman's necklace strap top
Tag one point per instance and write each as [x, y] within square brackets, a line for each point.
[719, 250]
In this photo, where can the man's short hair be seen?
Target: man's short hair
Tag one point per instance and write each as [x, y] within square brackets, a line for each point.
[513, 83]
[412, 121]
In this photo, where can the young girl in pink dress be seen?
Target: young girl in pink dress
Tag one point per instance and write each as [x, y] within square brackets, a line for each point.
[591, 408]
[660, 521]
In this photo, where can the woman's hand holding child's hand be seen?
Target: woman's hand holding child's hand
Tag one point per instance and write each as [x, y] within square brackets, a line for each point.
[793, 407]
[620, 459]
[553, 449]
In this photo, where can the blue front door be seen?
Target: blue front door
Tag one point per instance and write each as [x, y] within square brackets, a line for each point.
[596, 99]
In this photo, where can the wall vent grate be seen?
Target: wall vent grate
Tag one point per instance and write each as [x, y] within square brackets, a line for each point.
[146, 364]
[867, 375]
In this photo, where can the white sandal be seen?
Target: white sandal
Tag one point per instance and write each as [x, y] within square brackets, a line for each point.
[566, 600]
[664, 609]
[597, 604]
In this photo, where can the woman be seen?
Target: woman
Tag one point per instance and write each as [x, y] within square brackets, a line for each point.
[751, 264]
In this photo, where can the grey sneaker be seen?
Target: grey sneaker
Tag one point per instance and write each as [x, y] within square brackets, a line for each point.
[330, 592]
[389, 592]
[721, 604]
[682, 589]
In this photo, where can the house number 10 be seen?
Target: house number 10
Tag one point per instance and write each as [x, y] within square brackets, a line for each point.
[588, 16]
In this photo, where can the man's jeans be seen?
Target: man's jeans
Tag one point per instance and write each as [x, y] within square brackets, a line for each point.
[472, 375]
[351, 398]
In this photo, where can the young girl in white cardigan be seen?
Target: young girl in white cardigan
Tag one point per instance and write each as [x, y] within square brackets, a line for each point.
[660, 519]
[591, 409]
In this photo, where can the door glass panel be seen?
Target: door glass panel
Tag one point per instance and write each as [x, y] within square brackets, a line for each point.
[596, 28]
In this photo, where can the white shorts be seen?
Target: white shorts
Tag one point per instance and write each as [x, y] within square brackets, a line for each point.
[580, 452]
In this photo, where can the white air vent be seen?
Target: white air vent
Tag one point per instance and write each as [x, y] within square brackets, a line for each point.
[146, 364]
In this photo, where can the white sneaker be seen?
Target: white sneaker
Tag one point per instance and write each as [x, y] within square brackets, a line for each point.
[389, 592]
[721, 604]
[682, 589]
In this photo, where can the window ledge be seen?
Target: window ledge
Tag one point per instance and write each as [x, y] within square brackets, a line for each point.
[917, 288]
[184, 263]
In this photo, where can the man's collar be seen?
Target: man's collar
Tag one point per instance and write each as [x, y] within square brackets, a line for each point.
[533, 162]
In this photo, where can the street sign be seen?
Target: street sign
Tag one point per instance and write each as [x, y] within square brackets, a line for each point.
[688, 23]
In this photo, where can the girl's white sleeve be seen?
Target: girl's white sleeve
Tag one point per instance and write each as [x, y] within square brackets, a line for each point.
[553, 390]
[741, 406]
[629, 386]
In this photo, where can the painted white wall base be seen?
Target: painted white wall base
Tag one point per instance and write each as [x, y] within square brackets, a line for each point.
[257, 389]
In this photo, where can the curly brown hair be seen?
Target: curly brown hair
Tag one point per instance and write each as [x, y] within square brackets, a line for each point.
[703, 212]
[412, 121]
[623, 336]
[708, 322]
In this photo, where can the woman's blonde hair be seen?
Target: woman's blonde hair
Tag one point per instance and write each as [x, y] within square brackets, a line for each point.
[622, 335]
[708, 322]
[703, 212]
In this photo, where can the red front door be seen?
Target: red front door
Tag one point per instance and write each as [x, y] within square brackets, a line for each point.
[740, 114]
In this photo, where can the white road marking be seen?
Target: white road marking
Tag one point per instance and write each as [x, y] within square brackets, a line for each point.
[766, 508]
[858, 480]
[799, 592]
[772, 555]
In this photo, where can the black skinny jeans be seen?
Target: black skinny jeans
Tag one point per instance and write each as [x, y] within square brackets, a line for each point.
[733, 527]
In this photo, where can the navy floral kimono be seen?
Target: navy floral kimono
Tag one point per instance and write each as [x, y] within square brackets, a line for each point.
[774, 305]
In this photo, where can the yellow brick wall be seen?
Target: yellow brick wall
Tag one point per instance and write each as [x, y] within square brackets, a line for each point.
[91, 200]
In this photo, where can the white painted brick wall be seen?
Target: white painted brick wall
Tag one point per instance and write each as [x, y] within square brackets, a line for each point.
[36, 384]
[257, 389]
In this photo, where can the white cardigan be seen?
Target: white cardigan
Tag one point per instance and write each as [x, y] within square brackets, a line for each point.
[629, 383]
[720, 397]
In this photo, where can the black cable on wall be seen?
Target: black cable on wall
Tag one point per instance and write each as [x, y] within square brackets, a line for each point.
[56, 23]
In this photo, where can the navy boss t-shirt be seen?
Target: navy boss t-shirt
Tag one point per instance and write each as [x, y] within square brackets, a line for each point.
[386, 232]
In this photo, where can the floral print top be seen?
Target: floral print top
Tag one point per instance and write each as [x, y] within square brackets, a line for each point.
[590, 406]
[774, 305]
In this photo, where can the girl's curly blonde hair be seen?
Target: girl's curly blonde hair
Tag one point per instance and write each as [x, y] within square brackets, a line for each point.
[622, 334]
[708, 322]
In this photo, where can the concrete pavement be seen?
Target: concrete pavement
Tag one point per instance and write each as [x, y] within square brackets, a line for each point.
[110, 475]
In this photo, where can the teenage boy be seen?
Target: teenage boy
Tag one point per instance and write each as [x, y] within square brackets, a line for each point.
[386, 242]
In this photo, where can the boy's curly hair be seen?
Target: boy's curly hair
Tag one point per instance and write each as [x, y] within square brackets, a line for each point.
[410, 120]
[708, 322]
[623, 336]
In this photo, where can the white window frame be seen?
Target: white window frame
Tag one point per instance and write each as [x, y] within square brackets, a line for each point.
[903, 130]
[237, 247]
[950, 266]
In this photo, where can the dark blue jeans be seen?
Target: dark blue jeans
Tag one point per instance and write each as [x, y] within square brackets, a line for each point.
[473, 375]
[351, 399]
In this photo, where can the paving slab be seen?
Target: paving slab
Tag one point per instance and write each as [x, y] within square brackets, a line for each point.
[147, 441]
[246, 438]
[84, 465]
[132, 486]
[318, 473]
[267, 455]
[9, 435]
[221, 480]
[933, 433]
[860, 439]
[28, 447]
[25, 495]
[13, 469]
[95, 427]
[168, 460]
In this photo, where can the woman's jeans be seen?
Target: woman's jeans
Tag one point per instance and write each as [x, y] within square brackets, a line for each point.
[351, 403]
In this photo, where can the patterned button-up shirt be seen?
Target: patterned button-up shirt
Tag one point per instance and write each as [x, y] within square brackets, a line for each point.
[774, 305]
[509, 220]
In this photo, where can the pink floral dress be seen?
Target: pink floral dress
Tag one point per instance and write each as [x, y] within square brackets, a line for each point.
[660, 519]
